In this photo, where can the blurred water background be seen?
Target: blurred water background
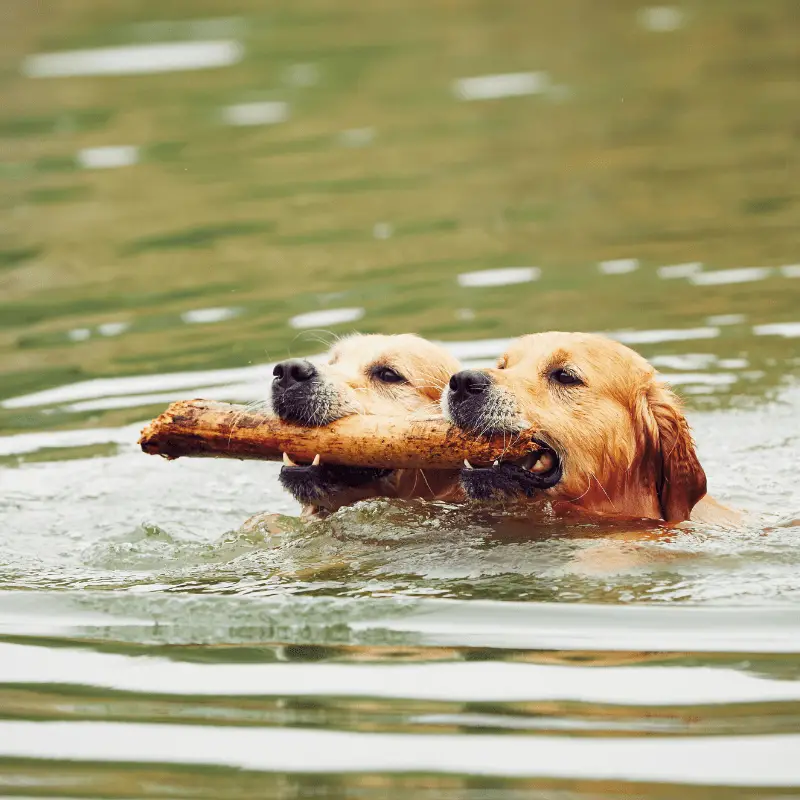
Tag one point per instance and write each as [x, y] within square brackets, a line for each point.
[192, 191]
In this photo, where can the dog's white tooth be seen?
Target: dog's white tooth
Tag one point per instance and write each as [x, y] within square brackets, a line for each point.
[288, 461]
[315, 462]
[496, 463]
[468, 465]
[543, 464]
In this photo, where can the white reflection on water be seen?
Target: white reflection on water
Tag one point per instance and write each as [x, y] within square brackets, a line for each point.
[721, 760]
[108, 157]
[20, 443]
[726, 319]
[134, 59]
[673, 271]
[382, 230]
[201, 315]
[503, 276]
[79, 334]
[139, 384]
[513, 84]
[707, 378]
[330, 316]
[302, 75]
[263, 113]
[791, 271]
[112, 328]
[449, 681]
[537, 723]
[666, 335]
[618, 266]
[357, 137]
[661, 19]
[789, 330]
[229, 392]
[684, 361]
[724, 276]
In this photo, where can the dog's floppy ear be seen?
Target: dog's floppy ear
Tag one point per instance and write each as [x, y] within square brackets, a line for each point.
[680, 480]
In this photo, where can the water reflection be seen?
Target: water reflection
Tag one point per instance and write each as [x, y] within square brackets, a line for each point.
[188, 199]
[502, 276]
[134, 59]
[489, 87]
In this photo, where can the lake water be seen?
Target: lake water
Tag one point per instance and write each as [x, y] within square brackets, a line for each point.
[189, 195]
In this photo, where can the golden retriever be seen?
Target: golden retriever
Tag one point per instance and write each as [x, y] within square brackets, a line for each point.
[364, 374]
[613, 439]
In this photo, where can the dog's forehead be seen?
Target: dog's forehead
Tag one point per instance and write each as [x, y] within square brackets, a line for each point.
[585, 351]
[361, 348]
[399, 350]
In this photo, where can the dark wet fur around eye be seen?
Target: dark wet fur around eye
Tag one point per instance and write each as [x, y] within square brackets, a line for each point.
[505, 481]
[315, 484]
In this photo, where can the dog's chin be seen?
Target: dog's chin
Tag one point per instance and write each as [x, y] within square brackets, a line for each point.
[537, 472]
[319, 484]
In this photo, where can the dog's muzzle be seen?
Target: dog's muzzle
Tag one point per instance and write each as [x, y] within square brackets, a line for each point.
[299, 394]
[296, 392]
[467, 397]
[473, 404]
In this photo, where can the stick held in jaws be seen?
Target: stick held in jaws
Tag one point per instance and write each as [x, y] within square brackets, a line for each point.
[200, 428]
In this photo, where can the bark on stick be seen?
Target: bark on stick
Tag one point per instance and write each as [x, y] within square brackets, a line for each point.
[200, 428]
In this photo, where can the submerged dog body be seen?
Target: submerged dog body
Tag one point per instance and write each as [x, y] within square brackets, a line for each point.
[364, 374]
[613, 439]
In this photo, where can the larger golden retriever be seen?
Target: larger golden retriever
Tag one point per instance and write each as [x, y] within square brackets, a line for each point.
[364, 374]
[614, 440]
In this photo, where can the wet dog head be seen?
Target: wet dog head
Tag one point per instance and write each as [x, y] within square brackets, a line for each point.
[610, 437]
[363, 374]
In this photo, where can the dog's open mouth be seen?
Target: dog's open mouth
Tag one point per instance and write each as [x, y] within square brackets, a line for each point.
[318, 484]
[538, 470]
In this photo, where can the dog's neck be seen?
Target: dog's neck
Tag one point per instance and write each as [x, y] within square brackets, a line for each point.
[631, 495]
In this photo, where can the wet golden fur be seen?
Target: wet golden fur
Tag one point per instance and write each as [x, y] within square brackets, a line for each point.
[427, 367]
[625, 446]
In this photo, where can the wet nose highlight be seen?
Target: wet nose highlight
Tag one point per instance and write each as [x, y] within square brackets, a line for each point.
[469, 381]
[295, 370]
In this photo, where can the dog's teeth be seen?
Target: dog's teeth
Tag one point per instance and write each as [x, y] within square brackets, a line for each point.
[468, 465]
[544, 463]
[315, 462]
[496, 463]
[288, 461]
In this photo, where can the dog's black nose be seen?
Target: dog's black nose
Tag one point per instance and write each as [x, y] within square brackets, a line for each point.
[295, 370]
[469, 381]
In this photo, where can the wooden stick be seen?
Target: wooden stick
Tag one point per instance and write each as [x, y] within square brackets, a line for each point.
[218, 430]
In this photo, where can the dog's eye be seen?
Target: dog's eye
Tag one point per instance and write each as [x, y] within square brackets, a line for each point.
[387, 375]
[565, 377]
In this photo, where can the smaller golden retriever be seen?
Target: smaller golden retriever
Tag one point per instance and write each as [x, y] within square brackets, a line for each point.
[614, 440]
[364, 374]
